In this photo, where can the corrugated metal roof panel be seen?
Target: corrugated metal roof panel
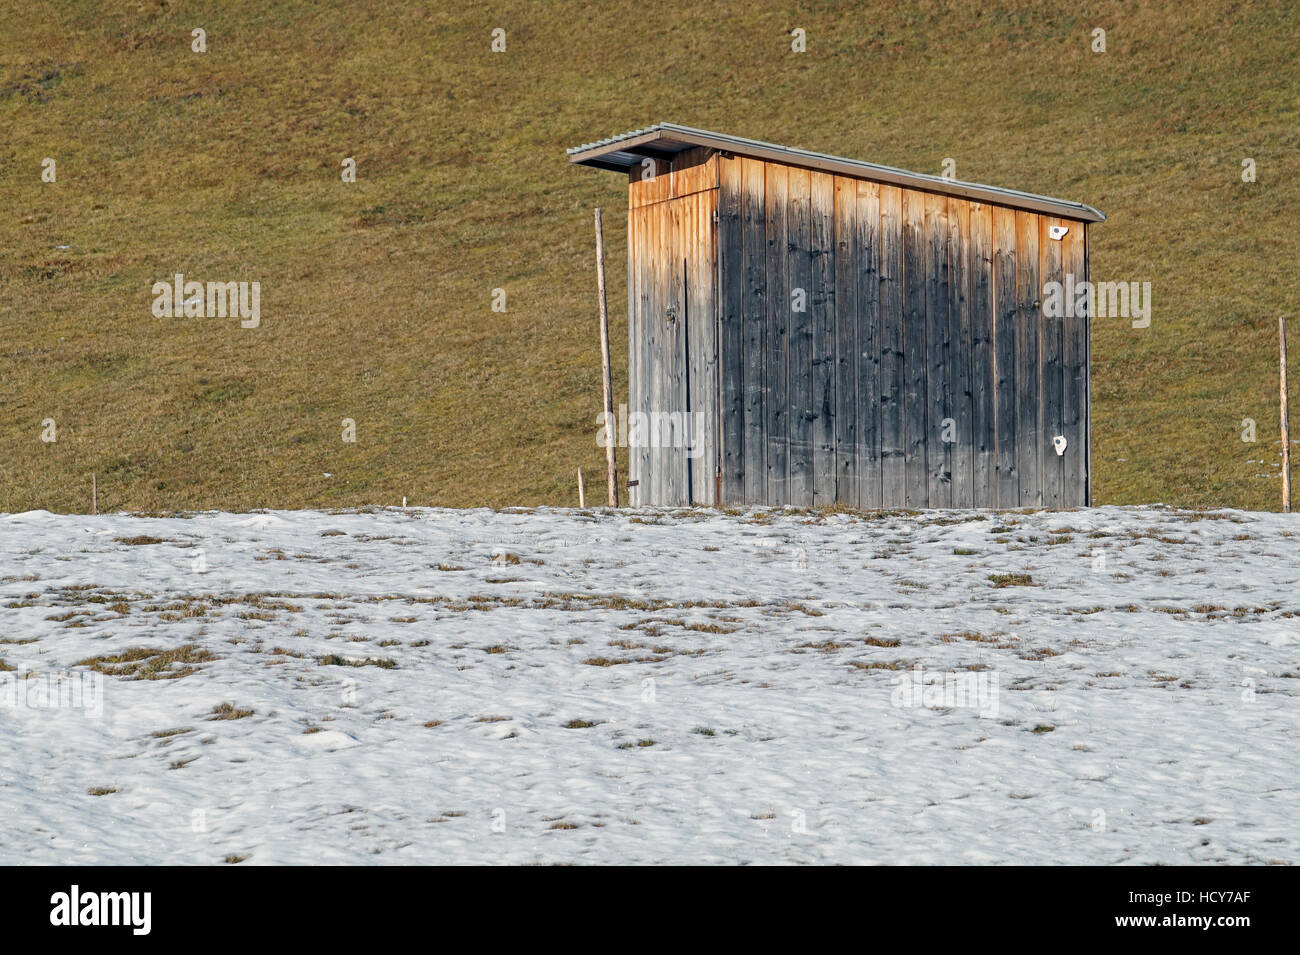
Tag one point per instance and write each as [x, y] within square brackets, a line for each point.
[628, 149]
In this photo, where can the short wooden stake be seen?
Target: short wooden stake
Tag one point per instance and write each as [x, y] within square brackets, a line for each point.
[611, 463]
[1286, 438]
[582, 493]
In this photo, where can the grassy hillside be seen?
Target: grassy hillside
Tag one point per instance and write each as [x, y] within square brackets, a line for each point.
[376, 295]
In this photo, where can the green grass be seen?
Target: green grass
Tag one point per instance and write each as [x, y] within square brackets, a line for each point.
[376, 295]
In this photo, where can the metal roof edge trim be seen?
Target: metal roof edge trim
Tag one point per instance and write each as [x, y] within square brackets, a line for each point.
[590, 153]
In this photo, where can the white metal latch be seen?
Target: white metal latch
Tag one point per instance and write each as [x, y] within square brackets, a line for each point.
[1057, 231]
[1058, 442]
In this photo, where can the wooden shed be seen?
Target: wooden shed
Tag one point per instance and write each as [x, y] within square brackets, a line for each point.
[809, 330]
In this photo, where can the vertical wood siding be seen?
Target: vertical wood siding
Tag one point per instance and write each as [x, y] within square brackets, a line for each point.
[983, 376]
[852, 342]
[1004, 350]
[673, 371]
[776, 349]
[799, 312]
[867, 317]
[938, 431]
[892, 457]
[961, 353]
[915, 351]
[1028, 383]
[1074, 339]
[1052, 392]
[731, 328]
[824, 348]
[754, 330]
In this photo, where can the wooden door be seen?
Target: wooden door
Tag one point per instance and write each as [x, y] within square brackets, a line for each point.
[673, 336]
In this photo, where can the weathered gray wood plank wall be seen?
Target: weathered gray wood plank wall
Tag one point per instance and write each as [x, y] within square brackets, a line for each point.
[850, 342]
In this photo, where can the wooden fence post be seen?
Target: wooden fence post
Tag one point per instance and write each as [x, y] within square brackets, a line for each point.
[1286, 439]
[611, 463]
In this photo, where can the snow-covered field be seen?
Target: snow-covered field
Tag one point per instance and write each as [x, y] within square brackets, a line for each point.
[425, 686]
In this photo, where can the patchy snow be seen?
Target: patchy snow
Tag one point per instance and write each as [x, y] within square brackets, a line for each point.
[414, 678]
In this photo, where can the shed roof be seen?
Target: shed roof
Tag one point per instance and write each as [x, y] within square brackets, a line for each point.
[664, 140]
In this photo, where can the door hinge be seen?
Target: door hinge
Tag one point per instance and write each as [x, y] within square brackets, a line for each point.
[715, 215]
